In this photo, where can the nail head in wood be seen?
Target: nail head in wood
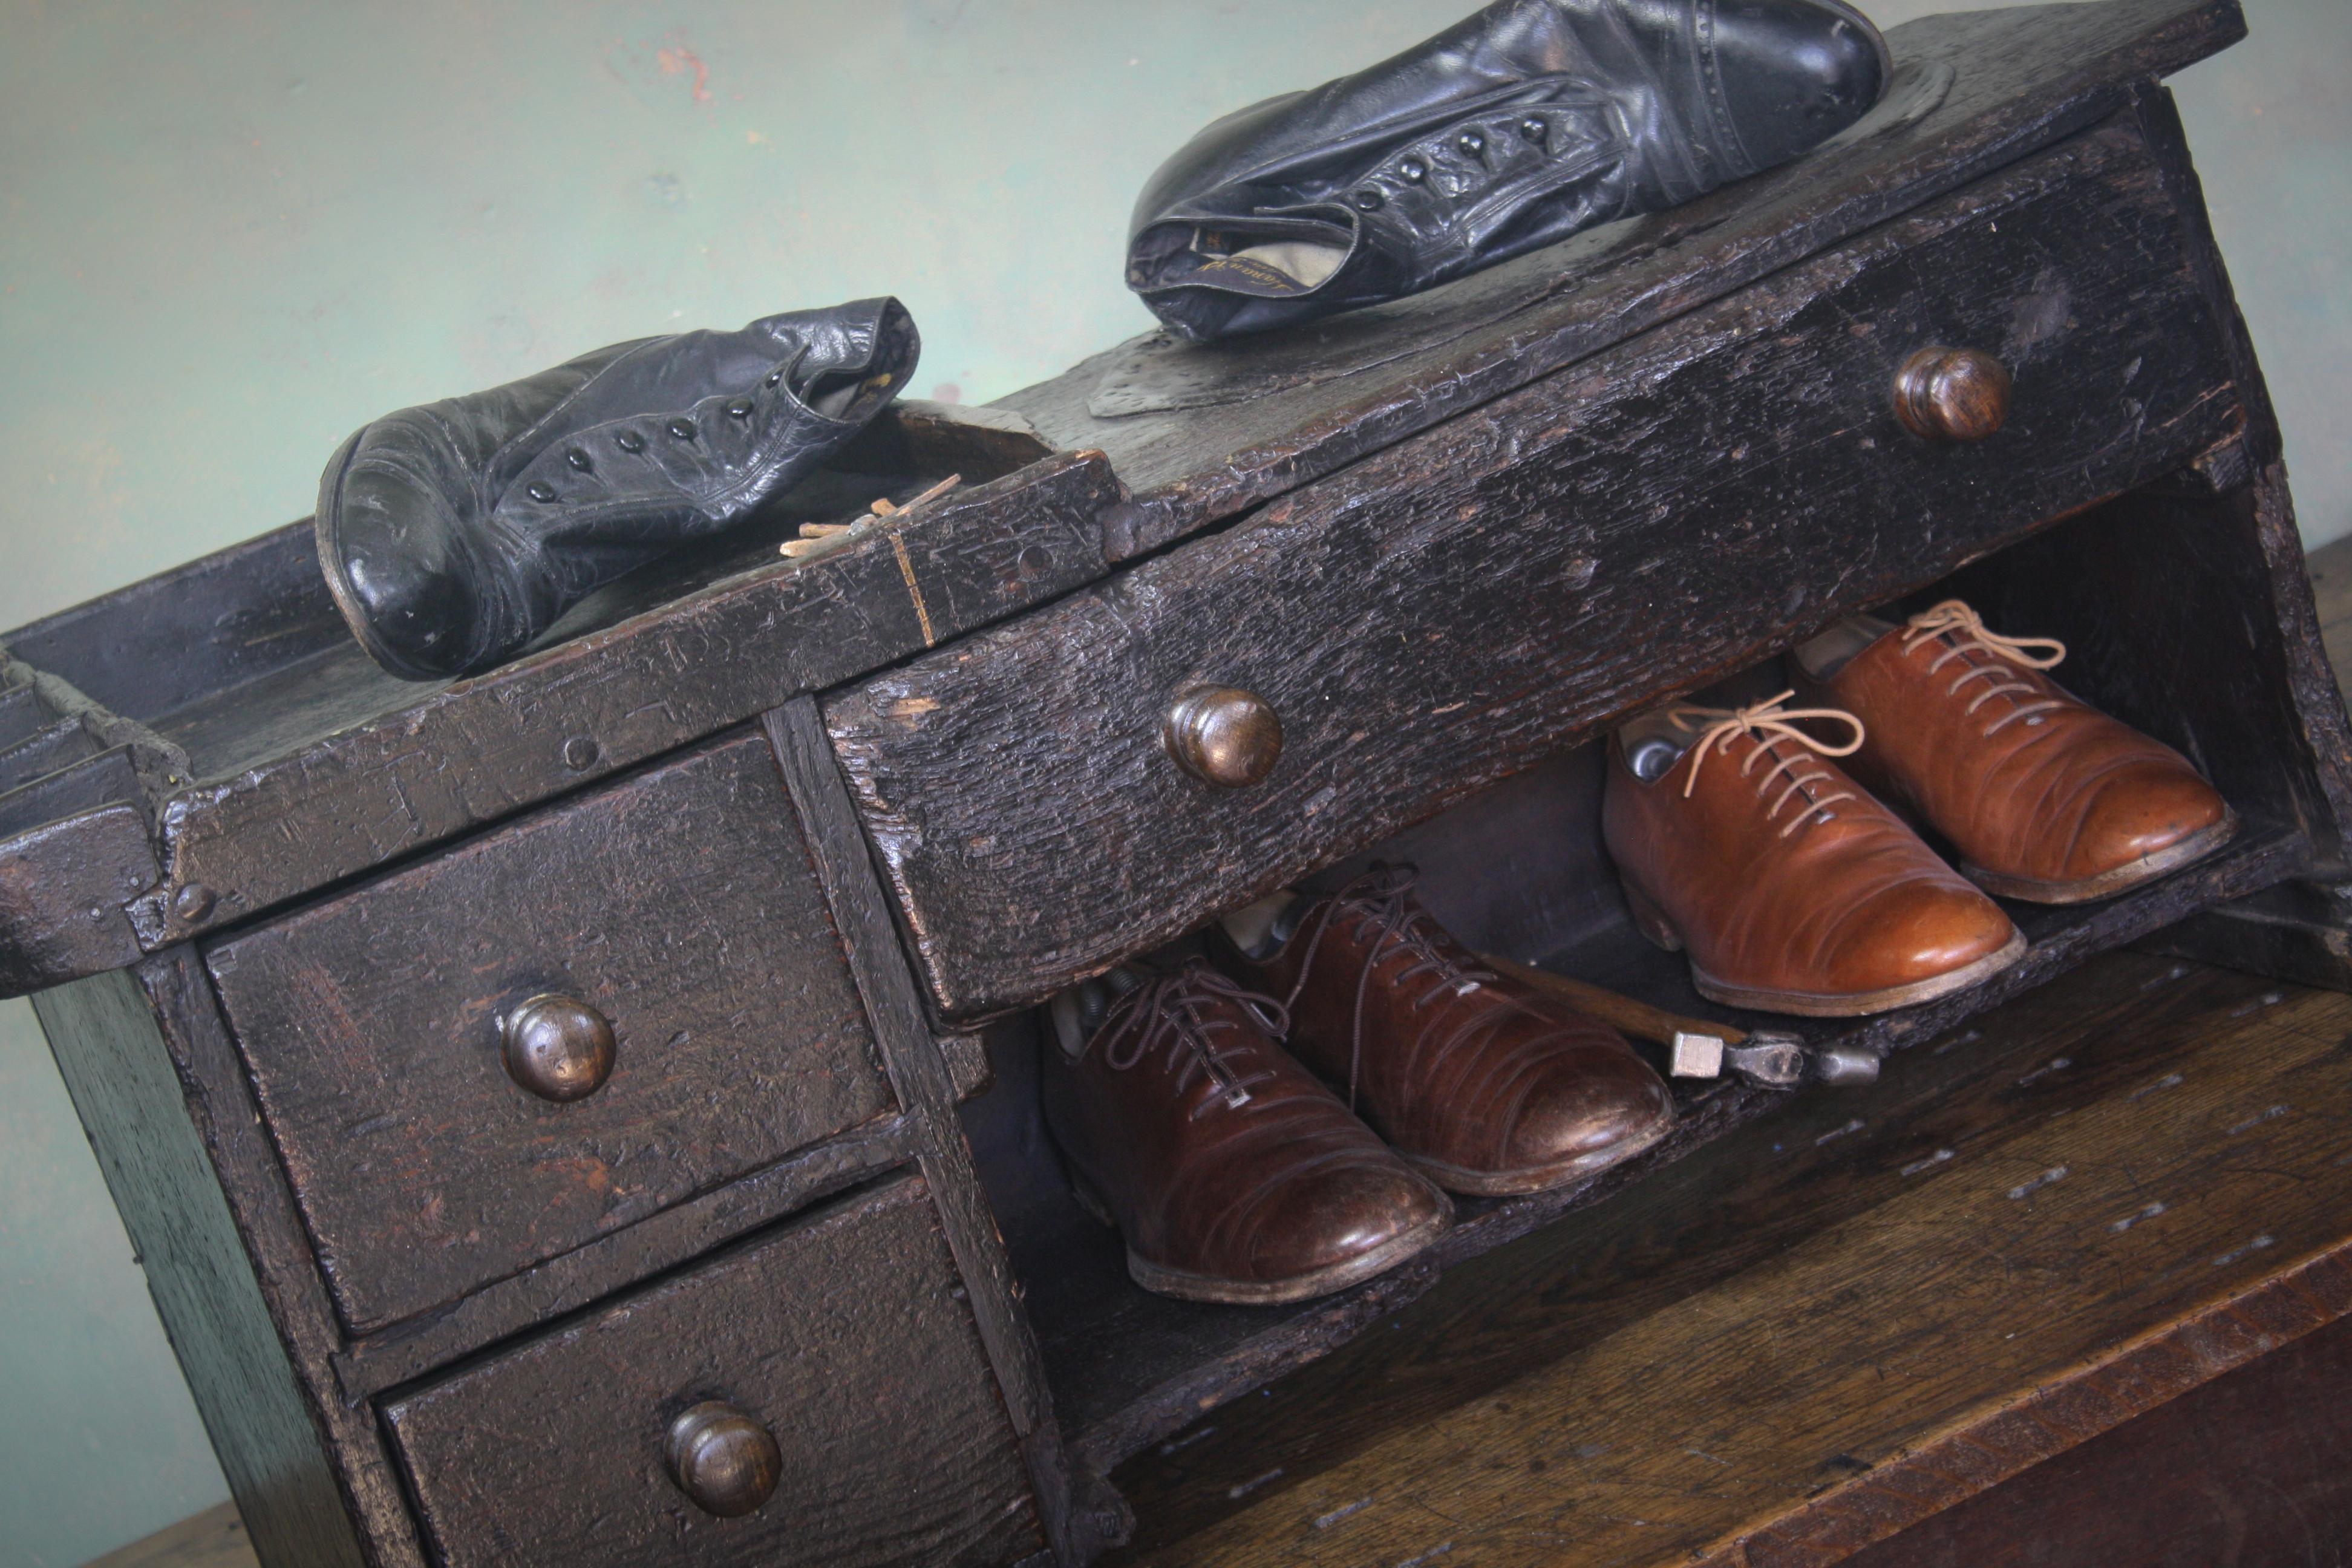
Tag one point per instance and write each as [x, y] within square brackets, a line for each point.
[558, 1048]
[1223, 735]
[1952, 394]
[723, 1459]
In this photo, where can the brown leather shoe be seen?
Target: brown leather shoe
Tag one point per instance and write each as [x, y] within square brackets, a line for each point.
[1482, 1083]
[1793, 890]
[2046, 798]
[1233, 1174]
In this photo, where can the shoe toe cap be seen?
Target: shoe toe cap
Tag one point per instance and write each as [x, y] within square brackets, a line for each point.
[1796, 72]
[1341, 1212]
[389, 547]
[1586, 1106]
[2142, 812]
[1920, 931]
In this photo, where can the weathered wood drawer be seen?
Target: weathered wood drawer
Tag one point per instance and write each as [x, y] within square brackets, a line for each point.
[1482, 596]
[847, 1335]
[679, 904]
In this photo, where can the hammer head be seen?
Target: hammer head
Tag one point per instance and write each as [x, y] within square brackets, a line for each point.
[1768, 1058]
[1693, 1055]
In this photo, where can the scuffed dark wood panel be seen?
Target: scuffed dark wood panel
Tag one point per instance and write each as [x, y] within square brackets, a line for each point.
[681, 903]
[311, 766]
[847, 1334]
[328, 766]
[134, 1053]
[1491, 592]
[1973, 92]
[63, 886]
[2253, 1469]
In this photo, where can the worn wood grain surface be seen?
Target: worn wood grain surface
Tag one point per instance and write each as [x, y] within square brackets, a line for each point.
[154, 1082]
[373, 787]
[1077, 1514]
[291, 763]
[847, 1334]
[1464, 604]
[2252, 1470]
[1859, 1313]
[213, 1539]
[679, 903]
[1284, 409]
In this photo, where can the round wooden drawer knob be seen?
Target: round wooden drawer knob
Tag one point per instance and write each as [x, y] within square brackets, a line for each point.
[724, 1460]
[1223, 735]
[1951, 394]
[558, 1048]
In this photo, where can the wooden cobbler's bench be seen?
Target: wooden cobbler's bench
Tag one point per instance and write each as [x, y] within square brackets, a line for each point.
[809, 839]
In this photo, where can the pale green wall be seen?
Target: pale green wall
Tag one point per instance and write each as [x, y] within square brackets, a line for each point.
[231, 233]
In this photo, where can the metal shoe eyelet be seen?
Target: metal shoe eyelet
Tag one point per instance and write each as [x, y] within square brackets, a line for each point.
[739, 409]
[579, 461]
[681, 429]
[1368, 201]
[1472, 142]
[541, 490]
[1413, 169]
[1534, 130]
[629, 441]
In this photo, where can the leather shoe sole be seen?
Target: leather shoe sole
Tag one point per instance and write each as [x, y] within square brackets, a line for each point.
[2123, 879]
[1226, 1293]
[1537, 1178]
[1854, 1005]
[1652, 922]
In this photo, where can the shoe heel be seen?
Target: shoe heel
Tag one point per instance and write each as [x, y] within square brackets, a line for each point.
[1651, 921]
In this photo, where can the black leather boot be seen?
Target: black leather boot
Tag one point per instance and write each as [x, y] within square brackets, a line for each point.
[1526, 124]
[454, 533]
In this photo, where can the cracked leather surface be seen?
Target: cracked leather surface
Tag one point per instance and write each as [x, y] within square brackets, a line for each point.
[454, 533]
[1524, 125]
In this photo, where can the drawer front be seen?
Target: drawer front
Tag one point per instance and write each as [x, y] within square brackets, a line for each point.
[846, 1337]
[679, 905]
[1468, 602]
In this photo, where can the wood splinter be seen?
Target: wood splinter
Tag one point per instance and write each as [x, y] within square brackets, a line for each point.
[815, 536]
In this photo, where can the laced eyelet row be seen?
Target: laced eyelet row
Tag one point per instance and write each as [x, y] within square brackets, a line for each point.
[1770, 724]
[1969, 636]
[1164, 1015]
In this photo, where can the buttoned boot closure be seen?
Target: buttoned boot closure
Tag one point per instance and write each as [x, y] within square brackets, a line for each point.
[1233, 1174]
[453, 535]
[1793, 890]
[1485, 1085]
[2046, 798]
[1514, 128]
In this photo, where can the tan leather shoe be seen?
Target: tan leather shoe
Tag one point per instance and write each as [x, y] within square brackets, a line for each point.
[1232, 1172]
[1793, 890]
[1485, 1084]
[2046, 798]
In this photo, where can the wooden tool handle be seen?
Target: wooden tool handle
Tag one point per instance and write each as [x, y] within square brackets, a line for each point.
[1638, 1019]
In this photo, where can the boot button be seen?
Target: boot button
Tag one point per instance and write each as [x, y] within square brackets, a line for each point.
[1223, 735]
[558, 1048]
[724, 1460]
[1951, 394]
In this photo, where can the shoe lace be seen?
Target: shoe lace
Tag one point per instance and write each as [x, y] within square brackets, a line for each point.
[1969, 636]
[1770, 724]
[1380, 903]
[1166, 1015]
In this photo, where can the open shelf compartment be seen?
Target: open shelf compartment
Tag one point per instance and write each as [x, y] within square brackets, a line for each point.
[2163, 597]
